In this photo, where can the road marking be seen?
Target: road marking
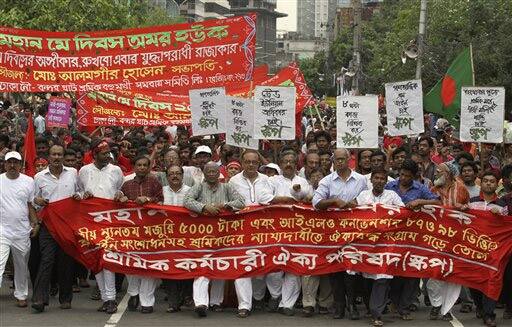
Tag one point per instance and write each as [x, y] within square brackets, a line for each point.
[121, 308]
[455, 322]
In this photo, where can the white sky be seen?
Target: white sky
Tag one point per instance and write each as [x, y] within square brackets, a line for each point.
[288, 7]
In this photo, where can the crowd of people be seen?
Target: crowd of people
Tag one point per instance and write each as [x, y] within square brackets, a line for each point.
[167, 165]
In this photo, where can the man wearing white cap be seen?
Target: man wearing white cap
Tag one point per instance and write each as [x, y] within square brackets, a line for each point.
[203, 155]
[271, 169]
[19, 222]
[256, 189]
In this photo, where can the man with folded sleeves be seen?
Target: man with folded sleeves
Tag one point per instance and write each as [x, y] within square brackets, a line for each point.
[210, 197]
[54, 183]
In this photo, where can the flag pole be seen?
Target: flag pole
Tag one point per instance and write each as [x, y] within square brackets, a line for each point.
[472, 66]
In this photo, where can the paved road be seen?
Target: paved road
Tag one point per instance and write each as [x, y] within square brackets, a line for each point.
[84, 314]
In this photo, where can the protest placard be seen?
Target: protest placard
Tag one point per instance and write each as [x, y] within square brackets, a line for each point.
[208, 108]
[356, 121]
[274, 113]
[58, 112]
[240, 123]
[404, 108]
[482, 114]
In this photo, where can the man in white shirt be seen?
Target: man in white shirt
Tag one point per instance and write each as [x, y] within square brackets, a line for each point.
[289, 188]
[40, 122]
[378, 161]
[312, 161]
[103, 180]
[338, 190]
[378, 195]
[19, 222]
[174, 193]
[54, 183]
[256, 189]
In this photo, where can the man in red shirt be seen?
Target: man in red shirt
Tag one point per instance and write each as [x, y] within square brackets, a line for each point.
[143, 188]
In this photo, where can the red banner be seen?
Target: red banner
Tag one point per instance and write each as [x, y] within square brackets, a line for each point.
[172, 107]
[128, 108]
[470, 248]
[184, 55]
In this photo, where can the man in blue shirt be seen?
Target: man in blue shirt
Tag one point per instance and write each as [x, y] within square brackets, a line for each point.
[414, 195]
[339, 189]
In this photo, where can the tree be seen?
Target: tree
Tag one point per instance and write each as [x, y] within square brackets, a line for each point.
[452, 25]
[81, 16]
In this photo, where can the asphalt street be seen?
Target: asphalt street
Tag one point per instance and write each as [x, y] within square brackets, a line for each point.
[83, 313]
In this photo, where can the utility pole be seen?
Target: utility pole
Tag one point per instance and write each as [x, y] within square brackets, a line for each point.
[356, 58]
[421, 36]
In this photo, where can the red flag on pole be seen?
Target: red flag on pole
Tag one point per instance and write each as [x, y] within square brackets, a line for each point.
[29, 149]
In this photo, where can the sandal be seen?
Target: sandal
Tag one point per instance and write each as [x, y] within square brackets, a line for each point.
[377, 322]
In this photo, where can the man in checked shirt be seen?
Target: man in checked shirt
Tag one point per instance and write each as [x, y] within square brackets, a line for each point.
[143, 188]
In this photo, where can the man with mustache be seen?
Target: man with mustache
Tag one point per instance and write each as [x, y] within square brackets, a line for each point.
[54, 183]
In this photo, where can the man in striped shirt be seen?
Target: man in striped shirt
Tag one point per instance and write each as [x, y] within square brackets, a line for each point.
[487, 200]
[210, 197]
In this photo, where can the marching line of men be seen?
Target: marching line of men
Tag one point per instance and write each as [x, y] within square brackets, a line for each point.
[335, 186]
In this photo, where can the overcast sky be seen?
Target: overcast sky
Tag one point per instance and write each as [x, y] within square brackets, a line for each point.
[288, 7]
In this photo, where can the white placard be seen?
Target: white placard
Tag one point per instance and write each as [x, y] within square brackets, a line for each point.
[357, 121]
[240, 123]
[208, 110]
[404, 108]
[482, 114]
[274, 113]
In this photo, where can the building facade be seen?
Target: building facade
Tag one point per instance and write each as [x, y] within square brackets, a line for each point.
[265, 27]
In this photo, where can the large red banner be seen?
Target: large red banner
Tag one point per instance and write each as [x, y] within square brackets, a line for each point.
[172, 107]
[183, 55]
[470, 248]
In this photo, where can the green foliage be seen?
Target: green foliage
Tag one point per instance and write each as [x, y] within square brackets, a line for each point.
[452, 25]
[81, 15]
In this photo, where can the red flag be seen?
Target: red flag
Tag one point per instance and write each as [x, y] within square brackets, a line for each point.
[29, 149]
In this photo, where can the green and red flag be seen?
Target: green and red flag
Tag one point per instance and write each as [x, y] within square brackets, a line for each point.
[444, 98]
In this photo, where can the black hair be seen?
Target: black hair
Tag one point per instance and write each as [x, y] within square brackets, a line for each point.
[140, 157]
[506, 171]
[465, 155]
[379, 170]
[377, 153]
[410, 166]
[428, 139]
[323, 134]
[399, 150]
[471, 164]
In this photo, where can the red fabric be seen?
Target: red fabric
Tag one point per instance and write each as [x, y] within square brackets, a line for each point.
[470, 248]
[448, 90]
[88, 158]
[125, 164]
[149, 186]
[29, 148]
[157, 57]
[438, 159]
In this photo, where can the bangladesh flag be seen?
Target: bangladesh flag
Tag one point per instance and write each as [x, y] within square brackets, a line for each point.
[444, 98]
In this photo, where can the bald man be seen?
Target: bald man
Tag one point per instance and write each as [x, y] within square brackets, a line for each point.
[339, 189]
[210, 197]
